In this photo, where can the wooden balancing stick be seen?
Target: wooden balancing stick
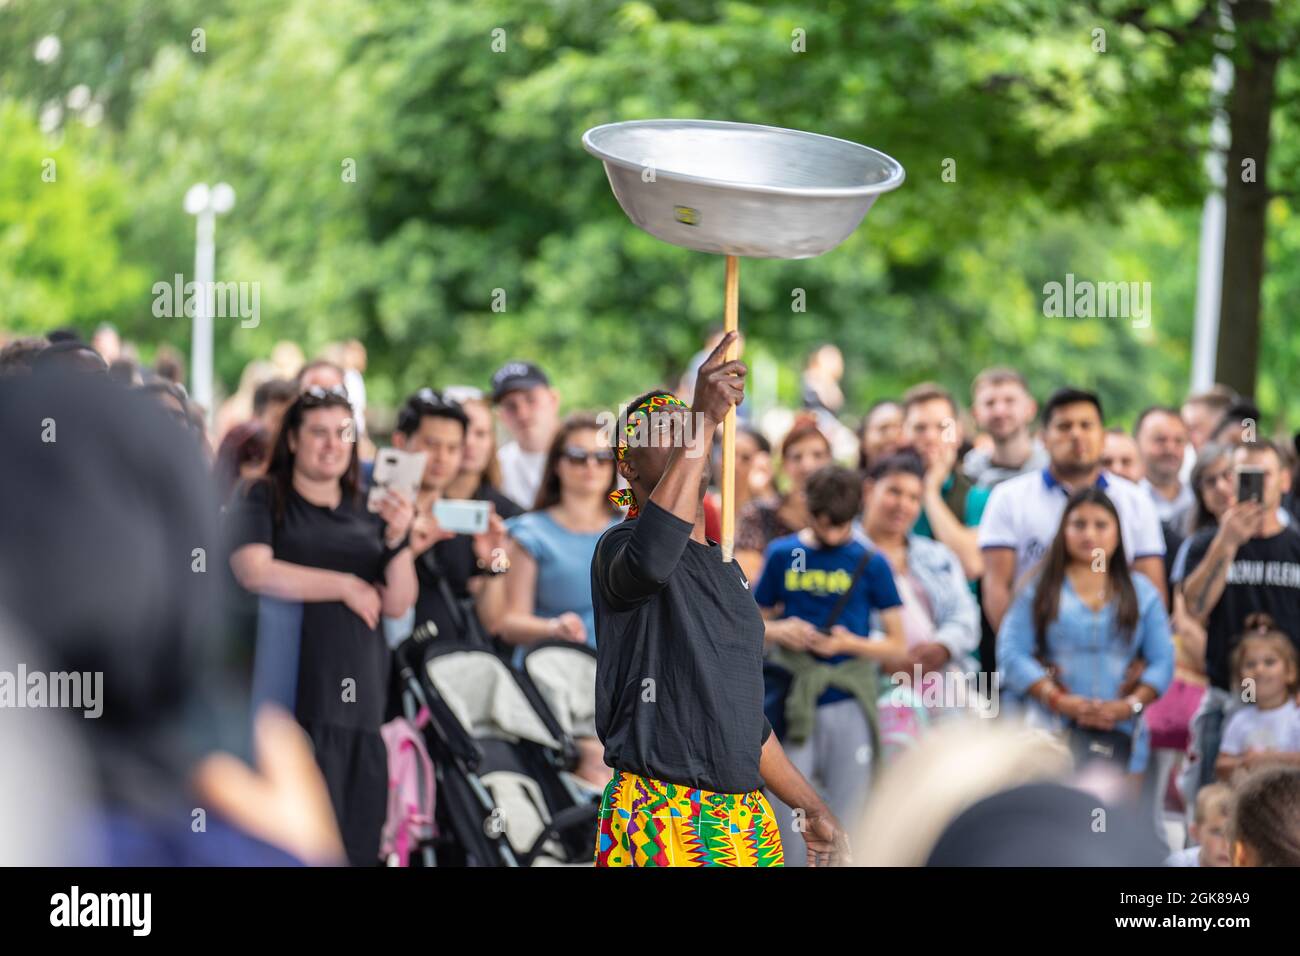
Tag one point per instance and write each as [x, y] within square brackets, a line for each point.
[731, 323]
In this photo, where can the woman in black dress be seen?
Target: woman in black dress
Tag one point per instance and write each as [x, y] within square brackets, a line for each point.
[302, 533]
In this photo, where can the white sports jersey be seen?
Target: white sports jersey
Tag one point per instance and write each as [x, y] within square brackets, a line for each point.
[521, 473]
[1024, 514]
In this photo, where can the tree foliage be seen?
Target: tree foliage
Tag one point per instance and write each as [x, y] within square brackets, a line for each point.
[463, 124]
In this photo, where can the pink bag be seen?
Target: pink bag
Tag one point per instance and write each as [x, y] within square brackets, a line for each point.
[903, 721]
[1170, 717]
[411, 790]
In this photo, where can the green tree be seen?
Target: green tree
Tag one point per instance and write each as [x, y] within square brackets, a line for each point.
[61, 220]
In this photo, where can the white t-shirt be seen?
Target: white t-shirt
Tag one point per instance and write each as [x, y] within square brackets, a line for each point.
[1188, 857]
[1024, 514]
[521, 473]
[1253, 729]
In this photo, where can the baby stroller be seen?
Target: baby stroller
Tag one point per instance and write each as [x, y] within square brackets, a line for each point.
[564, 675]
[501, 758]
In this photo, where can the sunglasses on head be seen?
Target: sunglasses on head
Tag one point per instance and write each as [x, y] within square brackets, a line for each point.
[428, 398]
[462, 394]
[316, 394]
[579, 456]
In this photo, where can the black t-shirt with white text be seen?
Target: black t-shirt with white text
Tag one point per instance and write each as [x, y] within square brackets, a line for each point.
[1264, 576]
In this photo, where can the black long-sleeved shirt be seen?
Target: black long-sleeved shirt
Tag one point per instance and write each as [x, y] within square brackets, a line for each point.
[679, 644]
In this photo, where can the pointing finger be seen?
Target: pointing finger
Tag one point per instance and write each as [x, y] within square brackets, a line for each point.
[719, 350]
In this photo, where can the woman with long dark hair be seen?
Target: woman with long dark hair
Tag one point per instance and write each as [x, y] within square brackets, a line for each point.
[548, 591]
[480, 472]
[1075, 627]
[302, 534]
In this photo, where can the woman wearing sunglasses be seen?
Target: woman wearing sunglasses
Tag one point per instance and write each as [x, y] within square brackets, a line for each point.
[548, 590]
[302, 534]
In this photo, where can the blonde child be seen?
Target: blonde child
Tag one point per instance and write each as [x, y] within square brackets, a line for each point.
[1267, 732]
[1210, 831]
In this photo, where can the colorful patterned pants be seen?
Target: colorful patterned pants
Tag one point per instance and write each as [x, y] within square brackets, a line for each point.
[646, 822]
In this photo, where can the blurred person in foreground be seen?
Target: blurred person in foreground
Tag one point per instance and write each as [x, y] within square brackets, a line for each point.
[69, 354]
[17, 355]
[1266, 819]
[107, 513]
[679, 676]
[952, 768]
[995, 793]
[1046, 824]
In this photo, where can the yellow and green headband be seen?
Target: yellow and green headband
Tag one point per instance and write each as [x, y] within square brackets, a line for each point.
[623, 497]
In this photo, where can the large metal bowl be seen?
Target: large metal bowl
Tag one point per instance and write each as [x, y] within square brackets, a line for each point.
[739, 189]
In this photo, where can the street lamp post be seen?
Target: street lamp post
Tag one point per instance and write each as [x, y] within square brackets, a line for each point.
[205, 204]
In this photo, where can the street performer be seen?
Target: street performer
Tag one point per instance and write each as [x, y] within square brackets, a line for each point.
[679, 679]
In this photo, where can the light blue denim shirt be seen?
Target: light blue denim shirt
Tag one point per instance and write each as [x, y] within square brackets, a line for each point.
[1090, 653]
[953, 610]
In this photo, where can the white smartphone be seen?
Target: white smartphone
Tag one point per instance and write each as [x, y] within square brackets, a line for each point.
[462, 515]
[396, 469]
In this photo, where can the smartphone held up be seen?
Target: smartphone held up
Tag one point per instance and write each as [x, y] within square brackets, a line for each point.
[1250, 483]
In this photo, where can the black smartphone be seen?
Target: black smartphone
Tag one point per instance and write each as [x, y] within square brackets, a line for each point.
[1250, 483]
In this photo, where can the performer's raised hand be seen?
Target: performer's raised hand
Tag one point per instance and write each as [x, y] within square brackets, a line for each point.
[720, 384]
